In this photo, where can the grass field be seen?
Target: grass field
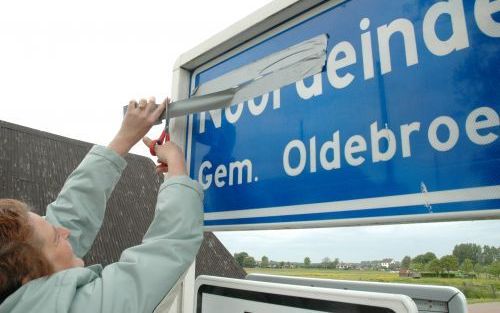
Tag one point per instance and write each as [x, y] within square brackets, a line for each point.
[475, 290]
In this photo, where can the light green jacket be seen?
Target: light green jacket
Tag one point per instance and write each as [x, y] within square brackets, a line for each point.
[144, 274]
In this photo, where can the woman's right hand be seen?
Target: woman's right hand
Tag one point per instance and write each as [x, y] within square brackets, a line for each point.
[170, 154]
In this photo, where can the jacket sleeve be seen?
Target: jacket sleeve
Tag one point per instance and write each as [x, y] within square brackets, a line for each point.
[145, 273]
[81, 204]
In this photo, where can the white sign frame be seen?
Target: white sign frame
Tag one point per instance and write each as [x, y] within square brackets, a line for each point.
[277, 16]
[396, 303]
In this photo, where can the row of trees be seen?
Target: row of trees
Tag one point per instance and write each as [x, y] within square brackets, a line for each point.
[245, 260]
[467, 257]
[485, 255]
[328, 263]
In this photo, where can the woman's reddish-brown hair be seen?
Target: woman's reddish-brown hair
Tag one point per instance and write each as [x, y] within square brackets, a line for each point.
[21, 259]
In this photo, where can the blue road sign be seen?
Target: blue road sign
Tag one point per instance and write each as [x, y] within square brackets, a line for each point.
[401, 125]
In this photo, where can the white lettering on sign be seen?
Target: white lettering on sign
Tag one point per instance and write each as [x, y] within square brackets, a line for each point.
[294, 145]
[307, 92]
[458, 40]
[443, 134]
[385, 32]
[341, 56]
[233, 117]
[355, 144]
[401, 32]
[406, 131]
[451, 126]
[483, 11]
[366, 48]
[333, 146]
[383, 142]
[225, 174]
[489, 119]
[233, 113]
[376, 135]
[257, 108]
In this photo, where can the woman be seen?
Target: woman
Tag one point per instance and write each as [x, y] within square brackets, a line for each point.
[41, 269]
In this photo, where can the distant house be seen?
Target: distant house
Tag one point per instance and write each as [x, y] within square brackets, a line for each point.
[380, 264]
[34, 166]
[348, 266]
[387, 263]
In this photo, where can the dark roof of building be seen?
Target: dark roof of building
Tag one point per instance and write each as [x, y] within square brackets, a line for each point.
[34, 166]
[214, 259]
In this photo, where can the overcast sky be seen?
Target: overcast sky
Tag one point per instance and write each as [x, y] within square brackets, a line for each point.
[68, 67]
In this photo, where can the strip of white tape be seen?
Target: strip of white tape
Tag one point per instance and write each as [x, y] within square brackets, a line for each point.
[267, 74]
[247, 82]
[280, 68]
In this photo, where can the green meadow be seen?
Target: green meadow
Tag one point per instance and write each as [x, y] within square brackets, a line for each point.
[481, 289]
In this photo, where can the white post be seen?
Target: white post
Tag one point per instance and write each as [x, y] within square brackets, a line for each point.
[188, 290]
[180, 90]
